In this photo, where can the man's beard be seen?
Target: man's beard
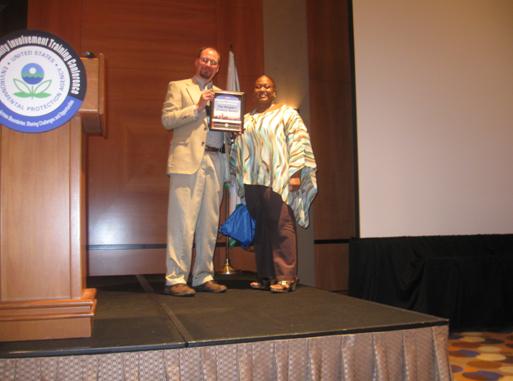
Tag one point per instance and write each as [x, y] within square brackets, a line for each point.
[205, 74]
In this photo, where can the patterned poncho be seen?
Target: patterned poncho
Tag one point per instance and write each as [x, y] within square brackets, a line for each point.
[275, 145]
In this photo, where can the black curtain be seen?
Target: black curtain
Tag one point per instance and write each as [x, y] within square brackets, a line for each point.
[467, 279]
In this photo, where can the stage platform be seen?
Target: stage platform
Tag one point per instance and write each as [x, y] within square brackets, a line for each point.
[243, 334]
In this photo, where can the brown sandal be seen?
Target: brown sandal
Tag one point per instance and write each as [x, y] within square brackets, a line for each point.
[284, 286]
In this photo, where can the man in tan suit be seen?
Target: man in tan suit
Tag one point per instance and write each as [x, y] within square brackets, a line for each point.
[198, 168]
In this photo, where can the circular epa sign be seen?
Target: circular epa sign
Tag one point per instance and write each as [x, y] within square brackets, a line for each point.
[42, 81]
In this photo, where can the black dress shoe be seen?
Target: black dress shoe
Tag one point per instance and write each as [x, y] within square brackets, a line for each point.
[179, 290]
[211, 286]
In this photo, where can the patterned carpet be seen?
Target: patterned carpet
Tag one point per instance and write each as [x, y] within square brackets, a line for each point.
[481, 355]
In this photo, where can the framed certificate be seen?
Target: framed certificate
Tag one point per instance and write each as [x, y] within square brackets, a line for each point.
[227, 111]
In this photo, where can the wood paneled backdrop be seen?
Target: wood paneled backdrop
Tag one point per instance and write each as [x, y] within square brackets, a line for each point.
[333, 137]
[147, 43]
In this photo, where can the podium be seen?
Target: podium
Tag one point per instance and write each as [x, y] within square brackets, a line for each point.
[43, 224]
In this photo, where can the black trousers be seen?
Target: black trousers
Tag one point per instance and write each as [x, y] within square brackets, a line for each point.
[275, 234]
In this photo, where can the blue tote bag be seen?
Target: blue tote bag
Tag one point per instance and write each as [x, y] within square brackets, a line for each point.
[240, 226]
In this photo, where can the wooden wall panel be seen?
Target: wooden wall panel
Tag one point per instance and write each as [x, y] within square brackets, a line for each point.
[243, 31]
[147, 261]
[122, 262]
[331, 117]
[62, 18]
[333, 138]
[146, 44]
[332, 266]
[240, 259]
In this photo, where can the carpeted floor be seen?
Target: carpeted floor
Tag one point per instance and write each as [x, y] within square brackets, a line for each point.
[481, 355]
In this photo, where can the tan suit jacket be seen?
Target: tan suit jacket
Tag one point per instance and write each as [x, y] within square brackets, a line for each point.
[189, 126]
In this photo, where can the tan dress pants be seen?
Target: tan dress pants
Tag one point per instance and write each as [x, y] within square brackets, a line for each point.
[193, 214]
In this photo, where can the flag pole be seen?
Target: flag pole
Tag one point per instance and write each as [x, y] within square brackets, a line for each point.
[228, 269]
[232, 84]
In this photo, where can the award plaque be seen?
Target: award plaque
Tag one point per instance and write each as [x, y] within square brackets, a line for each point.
[227, 111]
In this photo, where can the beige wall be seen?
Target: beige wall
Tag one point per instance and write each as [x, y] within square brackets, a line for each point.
[434, 86]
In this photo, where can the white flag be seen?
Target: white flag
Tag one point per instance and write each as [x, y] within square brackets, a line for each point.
[232, 80]
[232, 84]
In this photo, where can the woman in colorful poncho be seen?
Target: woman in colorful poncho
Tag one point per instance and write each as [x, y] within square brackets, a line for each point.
[274, 166]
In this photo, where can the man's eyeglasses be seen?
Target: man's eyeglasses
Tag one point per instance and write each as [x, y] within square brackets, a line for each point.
[208, 61]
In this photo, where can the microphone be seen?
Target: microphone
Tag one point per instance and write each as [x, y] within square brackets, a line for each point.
[207, 107]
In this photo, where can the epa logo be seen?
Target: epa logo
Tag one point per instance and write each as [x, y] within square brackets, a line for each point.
[42, 81]
[32, 84]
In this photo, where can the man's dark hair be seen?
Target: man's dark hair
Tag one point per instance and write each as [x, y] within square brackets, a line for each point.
[208, 47]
